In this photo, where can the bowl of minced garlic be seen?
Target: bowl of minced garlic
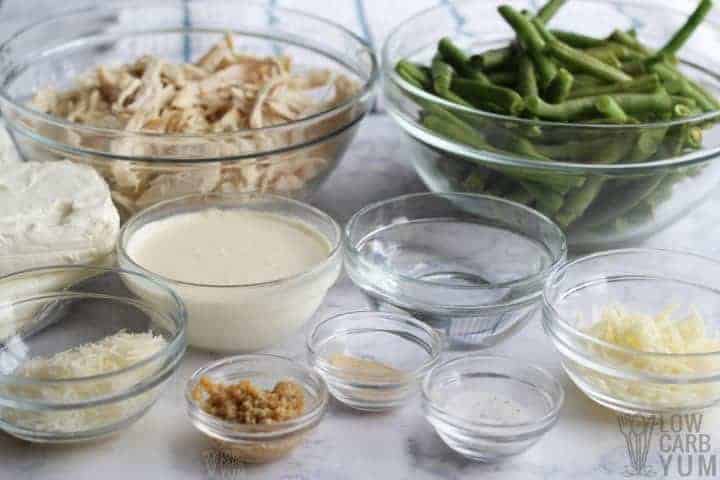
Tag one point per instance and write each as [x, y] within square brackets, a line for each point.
[232, 402]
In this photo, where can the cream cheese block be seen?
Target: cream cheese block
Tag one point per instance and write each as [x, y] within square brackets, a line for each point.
[54, 213]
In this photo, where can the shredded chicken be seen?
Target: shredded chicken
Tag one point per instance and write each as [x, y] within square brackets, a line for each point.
[225, 91]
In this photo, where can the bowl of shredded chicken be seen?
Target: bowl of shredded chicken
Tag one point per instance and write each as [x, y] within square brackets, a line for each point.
[222, 106]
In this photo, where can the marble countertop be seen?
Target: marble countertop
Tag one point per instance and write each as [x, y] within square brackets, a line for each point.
[585, 444]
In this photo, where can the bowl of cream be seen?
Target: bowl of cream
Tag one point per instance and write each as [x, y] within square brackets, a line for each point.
[252, 268]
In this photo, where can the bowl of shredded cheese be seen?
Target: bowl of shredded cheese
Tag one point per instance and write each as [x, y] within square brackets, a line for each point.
[86, 358]
[211, 97]
[638, 329]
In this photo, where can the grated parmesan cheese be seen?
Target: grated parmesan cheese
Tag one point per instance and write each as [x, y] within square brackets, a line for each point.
[658, 334]
[111, 354]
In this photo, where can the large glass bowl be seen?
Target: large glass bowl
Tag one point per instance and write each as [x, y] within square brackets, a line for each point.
[145, 168]
[622, 186]
[649, 379]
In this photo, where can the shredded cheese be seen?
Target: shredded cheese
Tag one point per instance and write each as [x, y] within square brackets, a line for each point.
[111, 354]
[658, 334]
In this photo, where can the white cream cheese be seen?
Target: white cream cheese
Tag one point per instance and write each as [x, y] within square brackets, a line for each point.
[54, 213]
[246, 268]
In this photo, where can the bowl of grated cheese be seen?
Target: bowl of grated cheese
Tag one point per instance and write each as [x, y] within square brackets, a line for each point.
[638, 330]
[211, 97]
[86, 358]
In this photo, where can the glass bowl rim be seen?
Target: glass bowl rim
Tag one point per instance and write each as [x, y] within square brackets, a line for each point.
[518, 160]
[555, 317]
[176, 343]
[124, 238]
[366, 88]
[350, 248]
[556, 392]
[222, 427]
[436, 345]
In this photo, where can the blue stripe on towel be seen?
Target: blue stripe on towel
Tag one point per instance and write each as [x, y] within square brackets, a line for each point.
[272, 19]
[367, 34]
[186, 23]
[459, 19]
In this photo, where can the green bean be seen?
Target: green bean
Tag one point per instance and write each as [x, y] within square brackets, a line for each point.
[580, 107]
[488, 97]
[607, 57]
[582, 81]
[455, 57]
[644, 84]
[624, 38]
[564, 112]
[678, 84]
[577, 40]
[622, 197]
[506, 79]
[526, 81]
[610, 108]
[560, 87]
[647, 144]
[681, 36]
[449, 126]
[525, 30]
[578, 201]
[545, 68]
[549, 10]
[493, 59]
[547, 201]
[586, 63]
[635, 67]
[617, 50]
[442, 76]
[414, 74]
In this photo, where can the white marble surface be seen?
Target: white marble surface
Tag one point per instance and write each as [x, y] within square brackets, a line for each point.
[585, 444]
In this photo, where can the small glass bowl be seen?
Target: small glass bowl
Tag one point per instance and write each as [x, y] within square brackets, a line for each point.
[373, 361]
[48, 310]
[259, 443]
[488, 407]
[243, 318]
[647, 282]
[470, 265]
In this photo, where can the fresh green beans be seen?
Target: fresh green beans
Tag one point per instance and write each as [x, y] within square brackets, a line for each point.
[414, 74]
[577, 40]
[549, 10]
[610, 108]
[442, 75]
[550, 76]
[493, 59]
[644, 84]
[681, 36]
[525, 30]
[455, 57]
[560, 87]
[583, 62]
[527, 81]
[489, 97]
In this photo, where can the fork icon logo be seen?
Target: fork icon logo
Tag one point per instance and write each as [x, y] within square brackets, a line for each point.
[637, 431]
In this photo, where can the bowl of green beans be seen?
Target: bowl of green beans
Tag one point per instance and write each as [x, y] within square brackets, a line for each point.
[602, 115]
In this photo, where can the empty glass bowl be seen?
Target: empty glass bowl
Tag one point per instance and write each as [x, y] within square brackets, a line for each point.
[674, 363]
[488, 407]
[373, 361]
[259, 443]
[45, 393]
[470, 265]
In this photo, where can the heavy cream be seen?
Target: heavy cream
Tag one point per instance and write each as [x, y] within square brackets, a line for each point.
[238, 272]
